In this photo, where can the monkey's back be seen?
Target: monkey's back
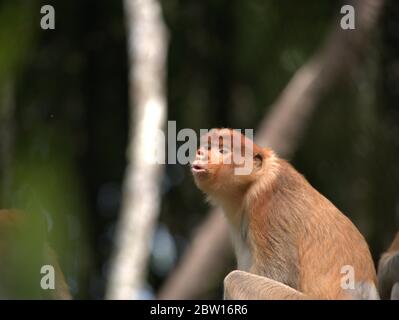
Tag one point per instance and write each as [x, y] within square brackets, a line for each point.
[308, 243]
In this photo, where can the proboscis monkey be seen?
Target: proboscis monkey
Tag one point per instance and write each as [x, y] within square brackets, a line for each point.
[290, 241]
[388, 272]
[22, 254]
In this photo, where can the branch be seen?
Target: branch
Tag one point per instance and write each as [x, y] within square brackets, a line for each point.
[147, 43]
[281, 131]
[201, 259]
[339, 56]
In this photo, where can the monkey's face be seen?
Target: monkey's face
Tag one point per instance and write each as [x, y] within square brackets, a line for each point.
[225, 162]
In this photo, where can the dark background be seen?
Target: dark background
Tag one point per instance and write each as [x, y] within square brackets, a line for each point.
[228, 61]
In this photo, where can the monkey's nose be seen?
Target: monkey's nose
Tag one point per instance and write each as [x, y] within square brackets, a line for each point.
[200, 153]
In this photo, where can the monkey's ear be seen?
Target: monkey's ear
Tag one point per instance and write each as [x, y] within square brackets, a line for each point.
[258, 160]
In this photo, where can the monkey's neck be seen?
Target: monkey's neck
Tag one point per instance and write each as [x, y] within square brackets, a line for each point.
[273, 230]
[232, 206]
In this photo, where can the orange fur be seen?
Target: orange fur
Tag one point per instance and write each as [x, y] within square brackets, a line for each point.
[286, 229]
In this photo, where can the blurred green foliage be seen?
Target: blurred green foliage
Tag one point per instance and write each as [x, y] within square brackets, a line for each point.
[16, 36]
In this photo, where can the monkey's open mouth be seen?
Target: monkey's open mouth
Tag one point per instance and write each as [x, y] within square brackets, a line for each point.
[197, 168]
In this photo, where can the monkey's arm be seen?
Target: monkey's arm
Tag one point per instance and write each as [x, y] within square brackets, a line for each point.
[241, 285]
[395, 291]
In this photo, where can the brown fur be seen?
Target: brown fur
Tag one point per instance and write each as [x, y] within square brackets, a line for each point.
[293, 233]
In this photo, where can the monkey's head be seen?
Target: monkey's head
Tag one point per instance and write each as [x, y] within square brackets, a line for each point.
[227, 163]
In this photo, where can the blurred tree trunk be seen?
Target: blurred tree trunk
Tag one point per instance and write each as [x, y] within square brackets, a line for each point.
[7, 108]
[147, 45]
[280, 130]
